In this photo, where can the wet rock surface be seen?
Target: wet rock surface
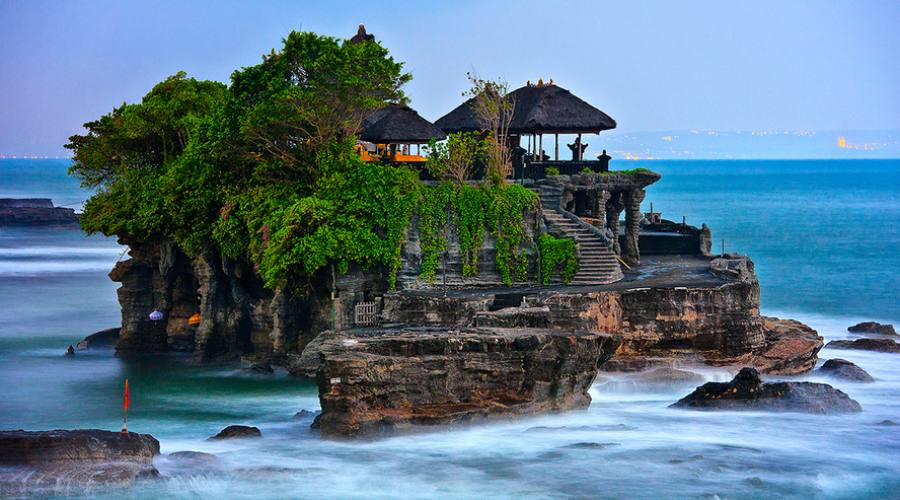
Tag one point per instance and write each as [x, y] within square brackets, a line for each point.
[747, 392]
[791, 348]
[872, 327]
[34, 460]
[844, 370]
[877, 345]
[103, 338]
[381, 381]
[237, 431]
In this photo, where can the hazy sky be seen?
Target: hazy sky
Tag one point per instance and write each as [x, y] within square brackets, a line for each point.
[823, 65]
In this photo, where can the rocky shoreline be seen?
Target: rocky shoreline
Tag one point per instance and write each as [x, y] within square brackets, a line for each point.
[49, 460]
[34, 212]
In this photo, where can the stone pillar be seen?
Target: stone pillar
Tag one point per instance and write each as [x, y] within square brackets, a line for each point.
[602, 197]
[614, 208]
[632, 253]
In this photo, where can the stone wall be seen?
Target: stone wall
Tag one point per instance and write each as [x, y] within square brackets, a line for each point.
[411, 258]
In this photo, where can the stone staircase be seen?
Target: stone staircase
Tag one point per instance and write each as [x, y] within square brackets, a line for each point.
[597, 263]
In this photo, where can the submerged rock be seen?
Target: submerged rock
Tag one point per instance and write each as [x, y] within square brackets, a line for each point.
[63, 458]
[872, 327]
[254, 364]
[304, 414]
[103, 338]
[237, 431]
[878, 345]
[379, 381]
[747, 392]
[843, 369]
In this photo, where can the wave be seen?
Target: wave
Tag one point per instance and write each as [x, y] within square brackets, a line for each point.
[39, 267]
[60, 251]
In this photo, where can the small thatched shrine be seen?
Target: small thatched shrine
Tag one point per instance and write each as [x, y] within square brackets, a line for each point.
[391, 131]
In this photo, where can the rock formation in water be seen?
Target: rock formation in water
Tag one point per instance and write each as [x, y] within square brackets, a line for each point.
[237, 431]
[34, 212]
[747, 392]
[103, 338]
[388, 380]
[844, 370]
[878, 345]
[36, 460]
[872, 327]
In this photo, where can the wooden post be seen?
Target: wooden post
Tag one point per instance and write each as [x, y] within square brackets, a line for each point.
[541, 148]
[723, 247]
[580, 154]
[556, 148]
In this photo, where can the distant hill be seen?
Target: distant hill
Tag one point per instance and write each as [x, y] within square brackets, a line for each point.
[711, 144]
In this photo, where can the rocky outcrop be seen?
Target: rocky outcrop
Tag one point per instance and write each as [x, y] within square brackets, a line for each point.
[34, 460]
[238, 316]
[380, 381]
[844, 370]
[747, 392]
[34, 212]
[791, 348]
[237, 431]
[878, 345]
[872, 327]
[103, 338]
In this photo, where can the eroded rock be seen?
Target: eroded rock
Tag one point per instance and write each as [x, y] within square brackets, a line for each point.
[747, 392]
[872, 327]
[103, 338]
[36, 460]
[237, 431]
[845, 370]
[878, 345]
[791, 348]
[379, 381]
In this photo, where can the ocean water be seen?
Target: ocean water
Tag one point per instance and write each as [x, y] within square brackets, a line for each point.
[824, 237]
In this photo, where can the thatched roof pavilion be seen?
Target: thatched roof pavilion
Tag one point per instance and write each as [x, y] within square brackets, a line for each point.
[540, 109]
[396, 124]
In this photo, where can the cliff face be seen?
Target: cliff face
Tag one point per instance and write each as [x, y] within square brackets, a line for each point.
[238, 316]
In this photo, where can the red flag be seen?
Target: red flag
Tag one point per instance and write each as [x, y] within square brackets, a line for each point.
[127, 397]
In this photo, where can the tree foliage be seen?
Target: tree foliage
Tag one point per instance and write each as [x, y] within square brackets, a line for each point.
[494, 106]
[262, 170]
[455, 158]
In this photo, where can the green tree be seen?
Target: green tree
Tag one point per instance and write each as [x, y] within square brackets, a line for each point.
[312, 93]
[455, 158]
[494, 107]
[143, 135]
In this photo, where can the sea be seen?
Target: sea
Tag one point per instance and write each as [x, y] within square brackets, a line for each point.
[824, 235]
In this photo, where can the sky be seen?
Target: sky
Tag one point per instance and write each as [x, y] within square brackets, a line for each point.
[652, 65]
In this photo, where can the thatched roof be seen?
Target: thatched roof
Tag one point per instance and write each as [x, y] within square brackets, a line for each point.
[546, 108]
[395, 124]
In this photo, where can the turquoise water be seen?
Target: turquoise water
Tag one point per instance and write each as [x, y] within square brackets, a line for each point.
[824, 238]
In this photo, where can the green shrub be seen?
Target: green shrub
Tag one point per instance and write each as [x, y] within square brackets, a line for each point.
[557, 258]
[499, 209]
[552, 171]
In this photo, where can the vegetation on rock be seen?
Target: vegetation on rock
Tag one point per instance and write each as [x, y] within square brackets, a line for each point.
[264, 170]
[557, 258]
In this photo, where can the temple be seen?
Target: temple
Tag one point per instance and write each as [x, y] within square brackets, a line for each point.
[581, 199]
